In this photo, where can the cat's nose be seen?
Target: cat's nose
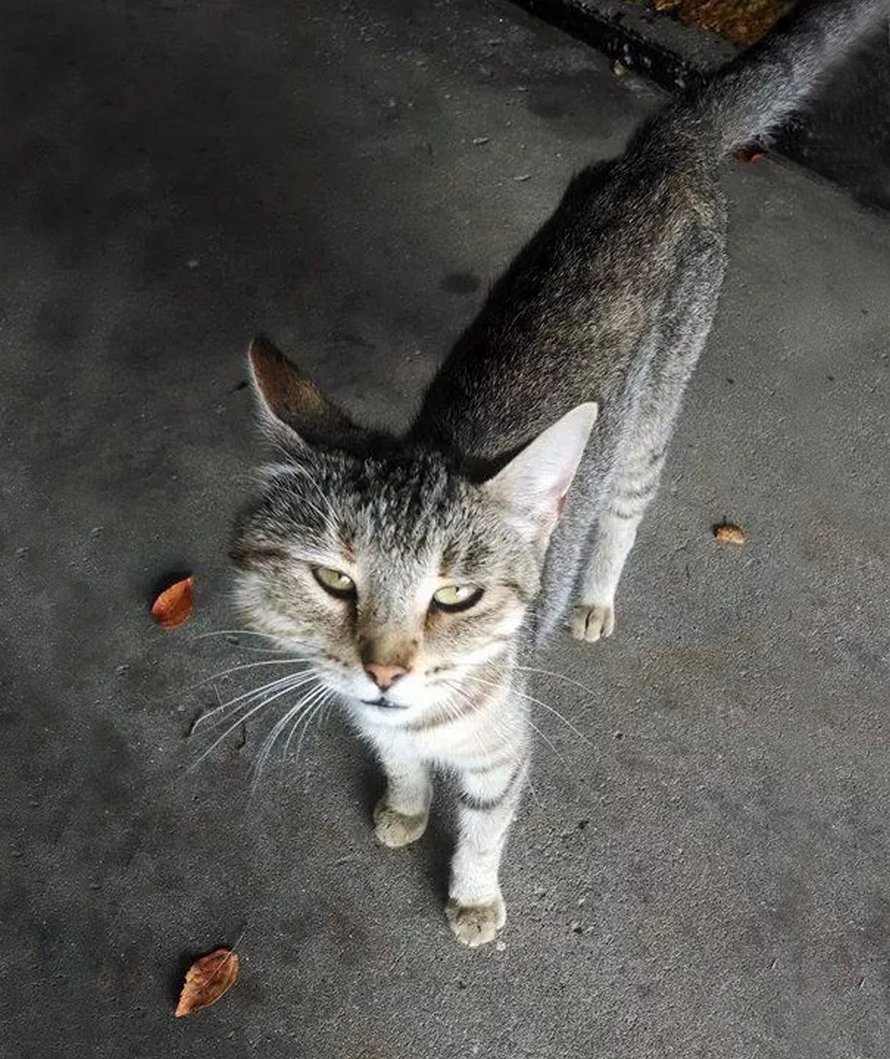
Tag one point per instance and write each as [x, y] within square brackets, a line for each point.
[384, 676]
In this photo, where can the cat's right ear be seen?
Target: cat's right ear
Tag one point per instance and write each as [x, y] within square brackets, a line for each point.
[293, 411]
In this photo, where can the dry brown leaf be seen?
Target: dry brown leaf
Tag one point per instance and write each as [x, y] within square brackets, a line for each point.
[729, 534]
[741, 21]
[207, 980]
[174, 605]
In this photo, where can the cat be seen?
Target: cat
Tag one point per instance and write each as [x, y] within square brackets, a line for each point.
[414, 574]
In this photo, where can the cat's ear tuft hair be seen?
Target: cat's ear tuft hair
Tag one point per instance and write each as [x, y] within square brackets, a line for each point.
[293, 411]
[534, 484]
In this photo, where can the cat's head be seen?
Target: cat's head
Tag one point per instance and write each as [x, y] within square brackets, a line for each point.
[391, 572]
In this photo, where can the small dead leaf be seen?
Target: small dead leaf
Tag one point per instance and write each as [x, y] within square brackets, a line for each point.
[174, 605]
[207, 980]
[729, 534]
[750, 153]
[741, 21]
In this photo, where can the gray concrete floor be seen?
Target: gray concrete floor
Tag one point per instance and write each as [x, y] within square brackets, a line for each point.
[707, 878]
[842, 133]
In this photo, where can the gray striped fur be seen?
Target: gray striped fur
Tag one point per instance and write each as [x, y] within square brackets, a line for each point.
[505, 481]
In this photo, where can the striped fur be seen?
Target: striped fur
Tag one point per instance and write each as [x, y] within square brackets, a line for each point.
[505, 482]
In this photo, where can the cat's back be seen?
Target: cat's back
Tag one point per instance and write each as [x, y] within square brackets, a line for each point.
[566, 321]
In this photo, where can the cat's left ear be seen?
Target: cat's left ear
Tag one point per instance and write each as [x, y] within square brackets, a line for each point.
[534, 484]
[293, 411]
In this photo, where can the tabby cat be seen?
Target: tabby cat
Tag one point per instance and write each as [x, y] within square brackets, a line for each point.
[414, 573]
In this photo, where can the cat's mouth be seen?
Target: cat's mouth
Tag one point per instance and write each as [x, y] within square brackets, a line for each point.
[383, 703]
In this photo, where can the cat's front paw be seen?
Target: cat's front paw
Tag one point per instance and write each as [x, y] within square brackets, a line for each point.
[593, 621]
[476, 924]
[395, 829]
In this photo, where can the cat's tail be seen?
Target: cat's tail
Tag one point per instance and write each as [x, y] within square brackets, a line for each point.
[746, 100]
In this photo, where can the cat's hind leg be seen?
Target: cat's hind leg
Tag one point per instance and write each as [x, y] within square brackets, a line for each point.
[683, 326]
[593, 618]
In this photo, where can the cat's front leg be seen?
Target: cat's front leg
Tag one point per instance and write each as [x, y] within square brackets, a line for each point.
[488, 801]
[402, 813]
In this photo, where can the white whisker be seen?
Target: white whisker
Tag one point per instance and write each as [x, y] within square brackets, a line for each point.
[558, 676]
[320, 694]
[536, 729]
[307, 724]
[292, 642]
[228, 632]
[531, 698]
[531, 724]
[247, 665]
[492, 719]
[277, 729]
[241, 720]
[506, 736]
[250, 695]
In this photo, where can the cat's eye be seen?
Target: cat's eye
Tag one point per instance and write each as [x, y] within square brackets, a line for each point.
[457, 597]
[334, 581]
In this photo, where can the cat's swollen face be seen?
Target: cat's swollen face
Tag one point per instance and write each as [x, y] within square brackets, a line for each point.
[391, 574]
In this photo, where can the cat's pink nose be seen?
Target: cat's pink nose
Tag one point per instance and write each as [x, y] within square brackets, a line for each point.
[384, 676]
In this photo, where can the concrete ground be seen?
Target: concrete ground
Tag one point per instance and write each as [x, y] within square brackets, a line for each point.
[708, 876]
[842, 133]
